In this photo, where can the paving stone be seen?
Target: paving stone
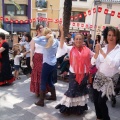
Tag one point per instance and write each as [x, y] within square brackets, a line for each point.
[17, 103]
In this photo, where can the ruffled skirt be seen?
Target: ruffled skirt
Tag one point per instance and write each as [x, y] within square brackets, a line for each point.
[75, 98]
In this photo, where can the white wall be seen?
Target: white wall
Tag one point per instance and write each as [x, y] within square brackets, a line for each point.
[78, 6]
[115, 21]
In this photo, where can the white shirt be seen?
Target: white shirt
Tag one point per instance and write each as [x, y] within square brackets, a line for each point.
[61, 51]
[17, 59]
[23, 39]
[27, 47]
[109, 65]
[38, 48]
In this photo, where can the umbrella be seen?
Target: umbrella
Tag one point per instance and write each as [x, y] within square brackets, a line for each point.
[3, 31]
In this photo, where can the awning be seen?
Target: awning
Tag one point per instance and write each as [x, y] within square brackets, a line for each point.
[17, 27]
[3, 31]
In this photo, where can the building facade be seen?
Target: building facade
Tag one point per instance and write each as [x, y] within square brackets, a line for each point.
[103, 19]
[44, 9]
[79, 7]
[16, 20]
[1, 13]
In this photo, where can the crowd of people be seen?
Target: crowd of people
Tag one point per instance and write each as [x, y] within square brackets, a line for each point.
[74, 55]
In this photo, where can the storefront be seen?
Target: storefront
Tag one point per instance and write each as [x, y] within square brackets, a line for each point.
[16, 27]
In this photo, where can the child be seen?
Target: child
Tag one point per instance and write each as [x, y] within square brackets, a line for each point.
[17, 56]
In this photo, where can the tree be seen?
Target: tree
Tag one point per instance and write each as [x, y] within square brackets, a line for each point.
[66, 16]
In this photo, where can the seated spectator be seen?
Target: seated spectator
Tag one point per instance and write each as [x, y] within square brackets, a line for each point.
[64, 67]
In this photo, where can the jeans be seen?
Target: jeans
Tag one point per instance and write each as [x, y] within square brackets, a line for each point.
[100, 105]
[46, 76]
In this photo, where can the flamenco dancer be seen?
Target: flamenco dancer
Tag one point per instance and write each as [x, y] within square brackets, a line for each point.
[75, 98]
[6, 76]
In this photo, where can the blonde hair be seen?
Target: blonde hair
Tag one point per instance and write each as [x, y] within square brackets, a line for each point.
[47, 30]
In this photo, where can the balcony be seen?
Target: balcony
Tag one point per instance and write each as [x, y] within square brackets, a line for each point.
[41, 4]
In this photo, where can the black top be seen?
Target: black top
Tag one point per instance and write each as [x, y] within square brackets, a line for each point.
[5, 53]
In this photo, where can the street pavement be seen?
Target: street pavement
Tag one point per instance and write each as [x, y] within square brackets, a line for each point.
[17, 103]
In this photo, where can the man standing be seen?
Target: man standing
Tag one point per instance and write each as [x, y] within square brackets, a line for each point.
[90, 41]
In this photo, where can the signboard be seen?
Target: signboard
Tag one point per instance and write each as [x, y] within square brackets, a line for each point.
[97, 2]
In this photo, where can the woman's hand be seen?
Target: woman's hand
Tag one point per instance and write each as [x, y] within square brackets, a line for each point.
[102, 52]
[31, 64]
[48, 35]
[97, 48]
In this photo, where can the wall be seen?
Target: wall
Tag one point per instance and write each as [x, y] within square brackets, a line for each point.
[101, 18]
[0, 13]
[17, 17]
[50, 13]
[78, 6]
[17, 1]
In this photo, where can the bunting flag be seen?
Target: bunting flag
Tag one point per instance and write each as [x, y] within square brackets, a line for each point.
[94, 10]
[89, 12]
[99, 9]
[118, 15]
[80, 16]
[112, 13]
[85, 14]
[59, 21]
[106, 11]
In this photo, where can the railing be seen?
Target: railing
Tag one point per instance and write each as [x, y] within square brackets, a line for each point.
[41, 4]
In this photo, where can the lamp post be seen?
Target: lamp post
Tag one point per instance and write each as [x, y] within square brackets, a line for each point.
[96, 2]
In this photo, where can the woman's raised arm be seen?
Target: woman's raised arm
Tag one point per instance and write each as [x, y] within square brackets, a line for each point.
[62, 38]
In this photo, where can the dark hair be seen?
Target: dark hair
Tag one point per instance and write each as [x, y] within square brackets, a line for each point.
[2, 35]
[114, 30]
[86, 43]
[89, 35]
[29, 36]
[69, 34]
[37, 26]
[99, 38]
[67, 40]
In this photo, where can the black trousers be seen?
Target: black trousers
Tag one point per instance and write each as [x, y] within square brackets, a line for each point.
[28, 64]
[100, 105]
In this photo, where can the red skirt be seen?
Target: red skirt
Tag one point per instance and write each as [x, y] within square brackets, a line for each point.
[36, 73]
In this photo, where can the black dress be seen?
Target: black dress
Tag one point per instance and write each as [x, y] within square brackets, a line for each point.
[75, 98]
[5, 69]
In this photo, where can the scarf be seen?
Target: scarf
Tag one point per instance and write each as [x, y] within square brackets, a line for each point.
[79, 60]
[105, 84]
[3, 41]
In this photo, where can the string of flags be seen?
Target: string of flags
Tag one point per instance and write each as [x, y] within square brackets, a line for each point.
[59, 21]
